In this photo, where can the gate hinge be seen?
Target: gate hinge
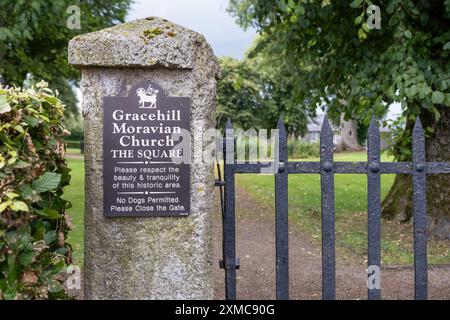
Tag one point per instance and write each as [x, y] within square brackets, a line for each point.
[238, 264]
[219, 183]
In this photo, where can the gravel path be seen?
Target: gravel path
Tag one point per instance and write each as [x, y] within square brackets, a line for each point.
[256, 249]
[74, 156]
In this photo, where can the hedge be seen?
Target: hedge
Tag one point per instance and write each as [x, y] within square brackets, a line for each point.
[33, 221]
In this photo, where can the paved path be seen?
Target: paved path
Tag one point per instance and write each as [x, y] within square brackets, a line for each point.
[256, 248]
[74, 156]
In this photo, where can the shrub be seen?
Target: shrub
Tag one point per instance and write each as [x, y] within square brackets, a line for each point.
[33, 172]
[298, 149]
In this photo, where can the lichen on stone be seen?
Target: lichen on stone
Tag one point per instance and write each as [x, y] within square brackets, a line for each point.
[151, 33]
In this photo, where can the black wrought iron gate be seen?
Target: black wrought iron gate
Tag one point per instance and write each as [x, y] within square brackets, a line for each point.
[327, 168]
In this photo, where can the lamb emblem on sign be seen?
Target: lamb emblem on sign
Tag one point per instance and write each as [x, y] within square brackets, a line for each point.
[147, 98]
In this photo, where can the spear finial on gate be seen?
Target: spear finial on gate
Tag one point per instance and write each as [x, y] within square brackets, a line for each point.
[282, 141]
[228, 124]
[373, 123]
[326, 129]
[418, 142]
[373, 140]
[280, 124]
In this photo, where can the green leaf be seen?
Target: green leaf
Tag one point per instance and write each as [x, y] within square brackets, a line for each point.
[18, 240]
[54, 286]
[26, 191]
[361, 34]
[47, 213]
[10, 294]
[365, 27]
[358, 20]
[405, 150]
[32, 121]
[19, 128]
[447, 46]
[19, 206]
[4, 105]
[282, 5]
[356, 3]
[11, 195]
[408, 34]
[391, 6]
[47, 182]
[4, 205]
[447, 99]
[20, 164]
[27, 257]
[50, 236]
[51, 100]
[437, 97]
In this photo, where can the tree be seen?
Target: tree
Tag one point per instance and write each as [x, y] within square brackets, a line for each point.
[348, 135]
[359, 71]
[239, 95]
[253, 93]
[34, 37]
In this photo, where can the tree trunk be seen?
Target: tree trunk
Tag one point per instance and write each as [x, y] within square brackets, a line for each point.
[348, 138]
[398, 202]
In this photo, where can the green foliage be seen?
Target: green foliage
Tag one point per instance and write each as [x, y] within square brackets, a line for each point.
[341, 63]
[33, 173]
[247, 146]
[238, 95]
[298, 149]
[75, 125]
[34, 38]
[254, 94]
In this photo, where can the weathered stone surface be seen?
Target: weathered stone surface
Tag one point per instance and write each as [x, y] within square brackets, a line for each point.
[146, 258]
[141, 43]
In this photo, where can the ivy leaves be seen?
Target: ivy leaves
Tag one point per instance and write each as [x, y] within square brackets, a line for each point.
[47, 182]
[438, 97]
[4, 105]
[33, 172]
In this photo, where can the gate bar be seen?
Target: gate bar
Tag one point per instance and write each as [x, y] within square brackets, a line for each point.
[345, 167]
[373, 206]
[327, 186]
[281, 217]
[229, 224]
[420, 212]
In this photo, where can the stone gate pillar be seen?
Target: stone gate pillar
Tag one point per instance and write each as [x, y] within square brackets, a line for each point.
[142, 67]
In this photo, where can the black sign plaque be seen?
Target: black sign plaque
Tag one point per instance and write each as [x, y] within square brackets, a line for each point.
[143, 171]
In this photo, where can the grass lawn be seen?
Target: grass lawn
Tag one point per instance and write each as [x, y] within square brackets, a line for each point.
[75, 194]
[304, 210]
[351, 216]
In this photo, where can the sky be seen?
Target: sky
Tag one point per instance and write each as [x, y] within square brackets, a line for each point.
[208, 17]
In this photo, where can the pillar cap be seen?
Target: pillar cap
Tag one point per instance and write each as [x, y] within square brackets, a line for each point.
[149, 42]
